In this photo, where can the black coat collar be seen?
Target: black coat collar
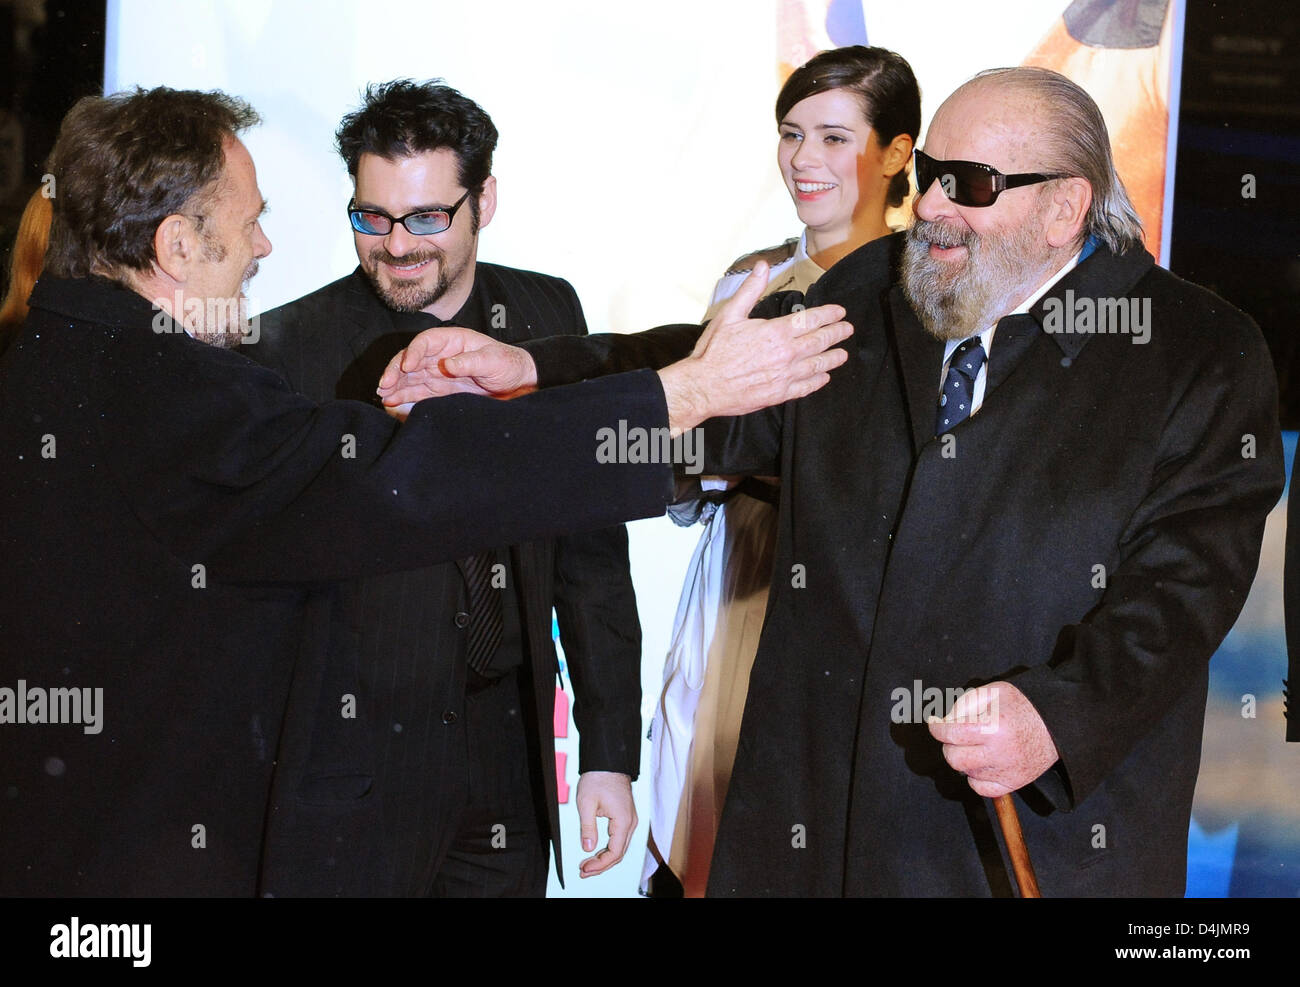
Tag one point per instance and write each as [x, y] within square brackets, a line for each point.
[95, 300]
[921, 355]
[371, 318]
[1102, 274]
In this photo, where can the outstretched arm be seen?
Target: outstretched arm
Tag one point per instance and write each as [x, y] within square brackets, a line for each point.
[738, 364]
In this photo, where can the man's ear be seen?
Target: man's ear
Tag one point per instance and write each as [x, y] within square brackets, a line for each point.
[896, 155]
[487, 201]
[175, 246]
[1068, 214]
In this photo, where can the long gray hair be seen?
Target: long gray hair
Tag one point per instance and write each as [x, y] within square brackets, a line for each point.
[1077, 143]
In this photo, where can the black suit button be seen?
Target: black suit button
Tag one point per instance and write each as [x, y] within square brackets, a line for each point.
[450, 717]
[462, 618]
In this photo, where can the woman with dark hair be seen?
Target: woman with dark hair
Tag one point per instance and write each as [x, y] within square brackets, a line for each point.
[25, 263]
[847, 121]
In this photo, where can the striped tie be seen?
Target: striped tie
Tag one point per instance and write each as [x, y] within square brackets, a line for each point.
[485, 621]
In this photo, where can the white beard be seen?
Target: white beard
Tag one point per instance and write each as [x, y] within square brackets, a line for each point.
[958, 303]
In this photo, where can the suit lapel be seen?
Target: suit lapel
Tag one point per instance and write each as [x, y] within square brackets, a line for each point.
[369, 317]
[486, 296]
[1014, 335]
[920, 358]
[523, 559]
[464, 574]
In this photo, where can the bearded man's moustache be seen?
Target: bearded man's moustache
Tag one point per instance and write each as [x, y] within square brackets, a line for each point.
[928, 231]
[406, 261]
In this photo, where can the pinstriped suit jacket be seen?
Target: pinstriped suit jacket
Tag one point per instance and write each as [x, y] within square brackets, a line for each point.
[359, 806]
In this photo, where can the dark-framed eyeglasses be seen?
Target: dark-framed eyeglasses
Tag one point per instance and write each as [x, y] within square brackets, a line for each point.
[969, 183]
[426, 222]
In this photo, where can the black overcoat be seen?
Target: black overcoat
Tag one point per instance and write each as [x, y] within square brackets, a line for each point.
[164, 506]
[1090, 535]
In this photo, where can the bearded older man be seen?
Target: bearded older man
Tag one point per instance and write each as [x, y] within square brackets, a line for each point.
[1006, 506]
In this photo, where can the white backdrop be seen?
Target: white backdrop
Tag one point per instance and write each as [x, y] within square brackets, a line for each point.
[637, 156]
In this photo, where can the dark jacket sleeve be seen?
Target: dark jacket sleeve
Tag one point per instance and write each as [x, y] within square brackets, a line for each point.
[748, 445]
[601, 634]
[233, 470]
[566, 359]
[1186, 564]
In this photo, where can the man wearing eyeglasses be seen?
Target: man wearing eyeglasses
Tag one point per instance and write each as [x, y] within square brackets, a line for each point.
[1014, 528]
[445, 782]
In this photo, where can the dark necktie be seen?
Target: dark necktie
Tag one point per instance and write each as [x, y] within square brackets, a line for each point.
[485, 622]
[959, 386]
[486, 625]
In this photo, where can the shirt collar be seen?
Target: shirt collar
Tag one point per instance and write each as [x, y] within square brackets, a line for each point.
[801, 251]
[1047, 285]
[986, 335]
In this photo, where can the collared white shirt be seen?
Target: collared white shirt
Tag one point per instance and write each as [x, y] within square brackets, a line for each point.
[986, 337]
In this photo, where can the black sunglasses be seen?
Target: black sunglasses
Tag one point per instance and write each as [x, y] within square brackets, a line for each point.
[376, 222]
[969, 183]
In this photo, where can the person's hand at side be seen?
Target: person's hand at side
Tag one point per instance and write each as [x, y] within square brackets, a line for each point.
[607, 794]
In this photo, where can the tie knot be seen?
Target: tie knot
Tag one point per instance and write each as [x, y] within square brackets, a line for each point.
[968, 358]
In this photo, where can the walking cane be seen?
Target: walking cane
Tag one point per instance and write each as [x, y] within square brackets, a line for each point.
[1015, 840]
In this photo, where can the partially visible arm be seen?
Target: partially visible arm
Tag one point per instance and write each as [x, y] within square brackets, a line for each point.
[1187, 562]
[230, 468]
[739, 364]
[596, 608]
[571, 357]
[600, 630]
[568, 359]
[693, 503]
[601, 634]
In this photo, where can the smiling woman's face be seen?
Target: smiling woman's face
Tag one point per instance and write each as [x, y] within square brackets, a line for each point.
[826, 152]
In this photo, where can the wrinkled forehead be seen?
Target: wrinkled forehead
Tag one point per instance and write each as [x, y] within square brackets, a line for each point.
[992, 123]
